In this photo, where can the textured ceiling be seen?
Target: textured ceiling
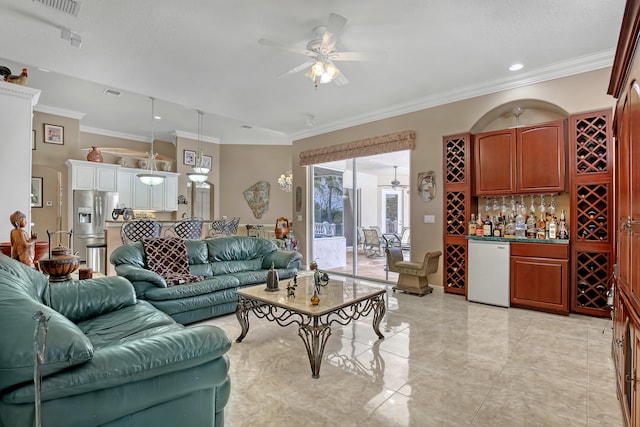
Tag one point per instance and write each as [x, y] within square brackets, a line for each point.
[205, 55]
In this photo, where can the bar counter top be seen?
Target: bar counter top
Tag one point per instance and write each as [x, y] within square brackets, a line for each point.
[515, 240]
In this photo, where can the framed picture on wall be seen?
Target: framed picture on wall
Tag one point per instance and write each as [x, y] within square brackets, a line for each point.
[189, 157]
[36, 192]
[53, 134]
[206, 161]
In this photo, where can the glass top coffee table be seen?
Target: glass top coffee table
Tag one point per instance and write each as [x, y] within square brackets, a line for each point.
[340, 302]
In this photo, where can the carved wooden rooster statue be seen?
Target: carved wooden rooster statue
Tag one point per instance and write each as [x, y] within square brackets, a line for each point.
[8, 77]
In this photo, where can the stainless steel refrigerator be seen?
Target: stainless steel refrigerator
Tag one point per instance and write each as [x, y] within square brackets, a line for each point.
[90, 211]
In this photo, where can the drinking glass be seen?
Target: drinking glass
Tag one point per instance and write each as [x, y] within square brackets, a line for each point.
[503, 208]
[542, 207]
[496, 206]
[552, 204]
[487, 204]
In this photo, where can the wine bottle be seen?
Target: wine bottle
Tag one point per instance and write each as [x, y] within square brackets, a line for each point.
[488, 227]
[563, 228]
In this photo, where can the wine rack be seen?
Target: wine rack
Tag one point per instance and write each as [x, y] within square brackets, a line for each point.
[458, 205]
[591, 280]
[593, 212]
[455, 217]
[591, 144]
[456, 160]
[455, 257]
[592, 225]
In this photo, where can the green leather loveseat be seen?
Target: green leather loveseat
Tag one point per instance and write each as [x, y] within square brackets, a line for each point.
[110, 359]
[227, 263]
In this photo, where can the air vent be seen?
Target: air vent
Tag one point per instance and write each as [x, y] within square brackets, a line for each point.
[246, 127]
[70, 7]
[112, 92]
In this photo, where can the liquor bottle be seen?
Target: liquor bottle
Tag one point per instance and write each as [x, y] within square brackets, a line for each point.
[498, 227]
[488, 227]
[531, 226]
[472, 225]
[563, 229]
[479, 225]
[553, 228]
[541, 231]
[521, 228]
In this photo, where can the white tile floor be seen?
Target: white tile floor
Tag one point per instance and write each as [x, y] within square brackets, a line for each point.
[443, 362]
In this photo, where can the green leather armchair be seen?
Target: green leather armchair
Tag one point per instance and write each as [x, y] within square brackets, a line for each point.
[110, 359]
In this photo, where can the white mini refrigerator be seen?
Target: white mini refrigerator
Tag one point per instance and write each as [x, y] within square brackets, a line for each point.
[488, 276]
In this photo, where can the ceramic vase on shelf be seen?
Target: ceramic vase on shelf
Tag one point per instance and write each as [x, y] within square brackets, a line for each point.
[95, 155]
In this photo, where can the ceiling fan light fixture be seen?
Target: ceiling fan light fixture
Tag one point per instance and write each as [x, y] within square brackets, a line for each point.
[332, 71]
[318, 69]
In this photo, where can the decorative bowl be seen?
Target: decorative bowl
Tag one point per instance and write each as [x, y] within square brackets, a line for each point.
[59, 268]
[143, 163]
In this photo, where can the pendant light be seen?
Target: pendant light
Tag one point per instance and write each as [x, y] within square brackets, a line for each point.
[200, 171]
[151, 176]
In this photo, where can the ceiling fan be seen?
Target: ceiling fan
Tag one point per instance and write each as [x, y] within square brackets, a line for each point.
[322, 52]
[395, 183]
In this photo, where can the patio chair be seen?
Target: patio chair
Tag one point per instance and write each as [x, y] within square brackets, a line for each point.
[413, 276]
[135, 231]
[186, 229]
[372, 243]
[402, 241]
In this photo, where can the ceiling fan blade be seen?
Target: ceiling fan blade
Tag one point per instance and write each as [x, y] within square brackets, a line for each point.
[269, 43]
[299, 68]
[341, 79]
[335, 26]
[357, 56]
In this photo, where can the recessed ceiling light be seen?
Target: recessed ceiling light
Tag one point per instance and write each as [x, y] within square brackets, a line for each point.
[515, 67]
[157, 117]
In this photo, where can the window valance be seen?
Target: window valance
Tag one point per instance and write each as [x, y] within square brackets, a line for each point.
[364, 147]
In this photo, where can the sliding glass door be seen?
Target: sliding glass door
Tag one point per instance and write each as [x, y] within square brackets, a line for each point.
[359, 204]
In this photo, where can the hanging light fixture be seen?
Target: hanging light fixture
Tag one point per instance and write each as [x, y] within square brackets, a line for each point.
[323, 71]
[200, 170]
[286, 182]
[151, 177]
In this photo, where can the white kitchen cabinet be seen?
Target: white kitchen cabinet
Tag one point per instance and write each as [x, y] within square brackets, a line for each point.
[125, 188]
[92, 176]
[161, 197]
[171, 193]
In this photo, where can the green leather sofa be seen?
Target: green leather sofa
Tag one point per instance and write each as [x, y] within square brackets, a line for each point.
[227, 263]
[110, 360]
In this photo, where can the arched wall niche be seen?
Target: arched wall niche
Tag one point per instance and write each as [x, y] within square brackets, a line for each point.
[532, 111]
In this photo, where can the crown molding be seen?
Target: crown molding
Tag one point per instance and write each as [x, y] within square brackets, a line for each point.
[558, 70]
[190, 135]
[56, 111]
[13, 89]
[113, 134]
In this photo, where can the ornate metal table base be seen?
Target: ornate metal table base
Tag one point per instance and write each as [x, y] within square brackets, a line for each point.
[313, 330]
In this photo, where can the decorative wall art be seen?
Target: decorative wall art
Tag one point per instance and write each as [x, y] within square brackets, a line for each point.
[36, 192]
[298, 199]
[257, 197]
[427, 185]
[189, 157]
[206, 161]
[53, 134]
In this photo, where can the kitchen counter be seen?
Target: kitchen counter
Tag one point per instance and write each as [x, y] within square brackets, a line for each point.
[514, 240]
